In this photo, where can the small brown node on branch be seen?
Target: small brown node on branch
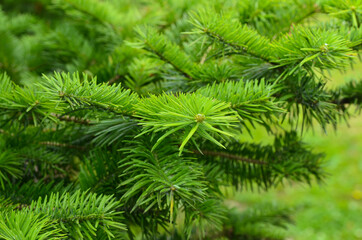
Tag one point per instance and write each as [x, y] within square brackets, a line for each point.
[200, 117]
[324, 48]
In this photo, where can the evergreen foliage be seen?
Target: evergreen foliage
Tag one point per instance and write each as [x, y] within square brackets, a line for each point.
[127, 119]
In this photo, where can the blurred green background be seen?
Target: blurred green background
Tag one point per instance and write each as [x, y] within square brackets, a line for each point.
[333, 209]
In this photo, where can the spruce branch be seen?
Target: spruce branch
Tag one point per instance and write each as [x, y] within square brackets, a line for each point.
[246, 165]
[204, 218]
[9, 167]
[99, 171]
[252, 100]
[306, 48]
[61, 145]
[29, 106]
[159, 179]
[191, 114]
[103, 12]
[350, 11]
[308, 97]
[165, 50]
[28, 225]
[73, 119]
[79, 92]
[23, 193]
[242, 39]
[81, 214]
[229, 156]
[112, 131]
[347, 95]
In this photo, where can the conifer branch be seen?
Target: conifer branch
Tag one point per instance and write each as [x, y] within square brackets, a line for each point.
[62, 145]
[166, 60]
[73, 119]
[242, 39]
[79, 93]
[166, 51]
[229, 156]
[239, 49]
